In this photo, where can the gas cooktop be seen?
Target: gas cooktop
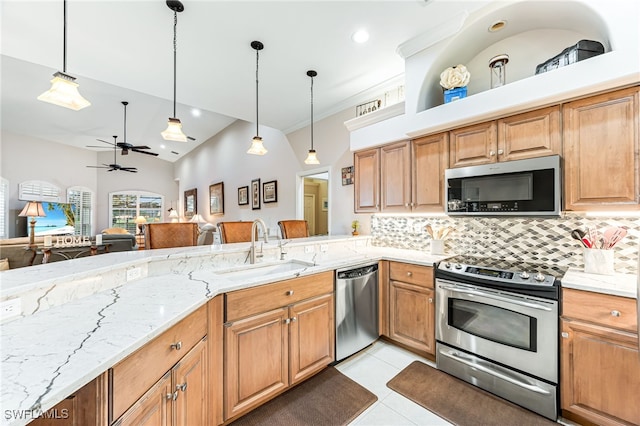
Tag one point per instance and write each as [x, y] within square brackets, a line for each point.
[521, 277]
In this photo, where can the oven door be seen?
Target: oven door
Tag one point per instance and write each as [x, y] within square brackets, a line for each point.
[511, 329]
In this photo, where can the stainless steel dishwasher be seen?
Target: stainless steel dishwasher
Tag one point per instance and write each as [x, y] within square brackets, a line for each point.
[356, 309]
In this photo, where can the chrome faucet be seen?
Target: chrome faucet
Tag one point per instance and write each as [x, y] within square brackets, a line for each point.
[252, 252]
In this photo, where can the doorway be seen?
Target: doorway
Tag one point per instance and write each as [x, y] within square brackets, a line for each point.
[313, 200]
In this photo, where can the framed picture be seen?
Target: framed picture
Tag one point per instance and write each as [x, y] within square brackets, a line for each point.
[325, 204]
[347, 175]
[190, 203]
[216, 198]
[270, 191]
[255, 194]
[243, 195]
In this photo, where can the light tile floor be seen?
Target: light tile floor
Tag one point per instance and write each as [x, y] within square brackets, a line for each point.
[373, 368]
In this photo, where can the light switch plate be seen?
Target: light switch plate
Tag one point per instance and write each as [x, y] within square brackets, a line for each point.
[10, 308]
[324, 248]
[134, 273]
[308, 249]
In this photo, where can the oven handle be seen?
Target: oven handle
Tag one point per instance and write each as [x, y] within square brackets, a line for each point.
[496, 297]
[466, 361]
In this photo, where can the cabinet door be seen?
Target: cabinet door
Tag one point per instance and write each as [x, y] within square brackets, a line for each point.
[411, 319]
[395, 177]
[256, 359]
[312, 337]
[430, 159]
[601, 152]
[600, 368]
[190, 380]
[367, 181]
[154, 408]
[528, 135]
[473, 145]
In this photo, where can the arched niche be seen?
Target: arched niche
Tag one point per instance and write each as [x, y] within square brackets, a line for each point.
[535, 32]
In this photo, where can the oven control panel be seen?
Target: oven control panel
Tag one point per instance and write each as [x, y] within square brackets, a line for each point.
[509, 276]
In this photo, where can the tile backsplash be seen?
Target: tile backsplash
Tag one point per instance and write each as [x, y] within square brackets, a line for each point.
[536, 240]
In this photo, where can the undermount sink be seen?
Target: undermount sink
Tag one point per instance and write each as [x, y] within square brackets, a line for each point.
[264, 269]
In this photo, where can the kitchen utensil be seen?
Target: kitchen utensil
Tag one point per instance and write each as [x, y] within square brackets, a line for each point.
[593, 237]
[430, 230]
[619, 234]
[446, 232]
[578, 234]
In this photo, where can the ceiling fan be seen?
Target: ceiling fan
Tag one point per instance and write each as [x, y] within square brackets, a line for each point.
[115, 166]
[126, 147]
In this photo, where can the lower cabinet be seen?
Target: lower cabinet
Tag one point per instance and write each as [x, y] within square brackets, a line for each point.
[411, 306]
[268, 351]
[600, 363]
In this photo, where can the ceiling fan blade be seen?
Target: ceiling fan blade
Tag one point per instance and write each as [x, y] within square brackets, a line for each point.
[134, 147]
[100, 140]
[144, 152]
[99, 167]
[129, 169]
[96, 146]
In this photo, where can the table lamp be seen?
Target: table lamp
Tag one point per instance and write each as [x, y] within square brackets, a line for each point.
[197, 218]
[140, 221]
[32, 209]
[173, 215]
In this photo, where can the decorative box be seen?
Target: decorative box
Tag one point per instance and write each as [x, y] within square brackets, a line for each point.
[451, 95]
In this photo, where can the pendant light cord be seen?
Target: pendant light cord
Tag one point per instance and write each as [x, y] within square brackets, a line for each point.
[257, 64]
[312, 113]
[64, 37]
[175, 48]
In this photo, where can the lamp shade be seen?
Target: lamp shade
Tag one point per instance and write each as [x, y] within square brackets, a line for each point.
[257, 148]
[312, 158]
[33, 209]
[140, 220]
[174, 213]
[64, 93]
[197, 218]
[174, 131]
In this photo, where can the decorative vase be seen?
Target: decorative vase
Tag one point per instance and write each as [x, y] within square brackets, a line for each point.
[454, 94]
[354, 233]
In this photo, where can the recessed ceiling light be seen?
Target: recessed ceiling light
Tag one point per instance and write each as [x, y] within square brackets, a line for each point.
[497, 26]
[360, 36]
[163, 146]
[196, 112]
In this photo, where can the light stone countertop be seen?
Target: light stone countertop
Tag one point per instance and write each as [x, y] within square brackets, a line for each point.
[617, 285]
[51, 352]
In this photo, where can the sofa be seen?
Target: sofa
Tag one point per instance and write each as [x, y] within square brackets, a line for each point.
[18, 254]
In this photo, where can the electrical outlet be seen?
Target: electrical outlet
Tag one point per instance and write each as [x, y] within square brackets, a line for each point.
[324, 248]
[10, 308]
[417, 228]
[134, 273]
[308, 249]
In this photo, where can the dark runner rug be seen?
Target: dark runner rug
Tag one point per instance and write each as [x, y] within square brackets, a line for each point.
[457, 401]
[328, 398]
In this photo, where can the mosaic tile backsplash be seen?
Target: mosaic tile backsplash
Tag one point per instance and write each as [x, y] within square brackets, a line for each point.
[536, 240]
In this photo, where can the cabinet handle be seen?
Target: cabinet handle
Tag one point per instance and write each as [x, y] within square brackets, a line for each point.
[294, 319]
[500, 152]
[287, 320]
[289, 293]
[431, 300]
[409, 274]
[615, 313]
[177, 346]
[169, 396]
[173, 396]
[182, 387]
[406, 204]
[492, 153]
[564, 335]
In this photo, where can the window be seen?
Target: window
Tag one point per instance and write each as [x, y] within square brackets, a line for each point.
[4, 208]
[82, 200]
[126, 206]
[37, 190]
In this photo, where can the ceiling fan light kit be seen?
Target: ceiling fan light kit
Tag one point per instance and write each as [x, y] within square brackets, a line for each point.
[64, 89]
[115, 166]
[257, 147]
[312, 158]
[173, 131]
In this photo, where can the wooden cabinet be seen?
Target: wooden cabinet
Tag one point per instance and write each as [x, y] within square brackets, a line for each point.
[276, 336]
[527, 135]
[138, 383]
[600, 363]
[601, 165]
[87, 406]
[411, 306]
[410, 176]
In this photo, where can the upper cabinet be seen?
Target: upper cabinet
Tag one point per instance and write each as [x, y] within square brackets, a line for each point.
[527, 135]
[409, 177]
[601, 152]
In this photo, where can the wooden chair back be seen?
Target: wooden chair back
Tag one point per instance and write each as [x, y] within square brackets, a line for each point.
[167, 235]
[294, 228]
[235, 232]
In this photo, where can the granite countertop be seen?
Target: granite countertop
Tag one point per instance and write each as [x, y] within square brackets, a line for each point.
[618, 284]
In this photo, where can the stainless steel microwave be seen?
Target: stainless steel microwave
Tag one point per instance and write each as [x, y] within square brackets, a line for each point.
[530, 187]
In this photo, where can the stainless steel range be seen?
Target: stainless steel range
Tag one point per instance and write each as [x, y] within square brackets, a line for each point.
[497, 328]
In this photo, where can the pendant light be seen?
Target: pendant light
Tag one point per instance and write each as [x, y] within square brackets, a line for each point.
[312, 158]
[174, 126]
[257, 148]
[64, 90]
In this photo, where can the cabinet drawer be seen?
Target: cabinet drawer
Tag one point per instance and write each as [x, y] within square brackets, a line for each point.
[413, 274]
[600, 308]
[135, 375]
[251, 301]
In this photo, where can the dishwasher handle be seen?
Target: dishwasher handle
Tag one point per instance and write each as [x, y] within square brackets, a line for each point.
[357, 272]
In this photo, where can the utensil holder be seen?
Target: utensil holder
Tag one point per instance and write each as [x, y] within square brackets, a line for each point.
[598, 261]
[437, 246]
